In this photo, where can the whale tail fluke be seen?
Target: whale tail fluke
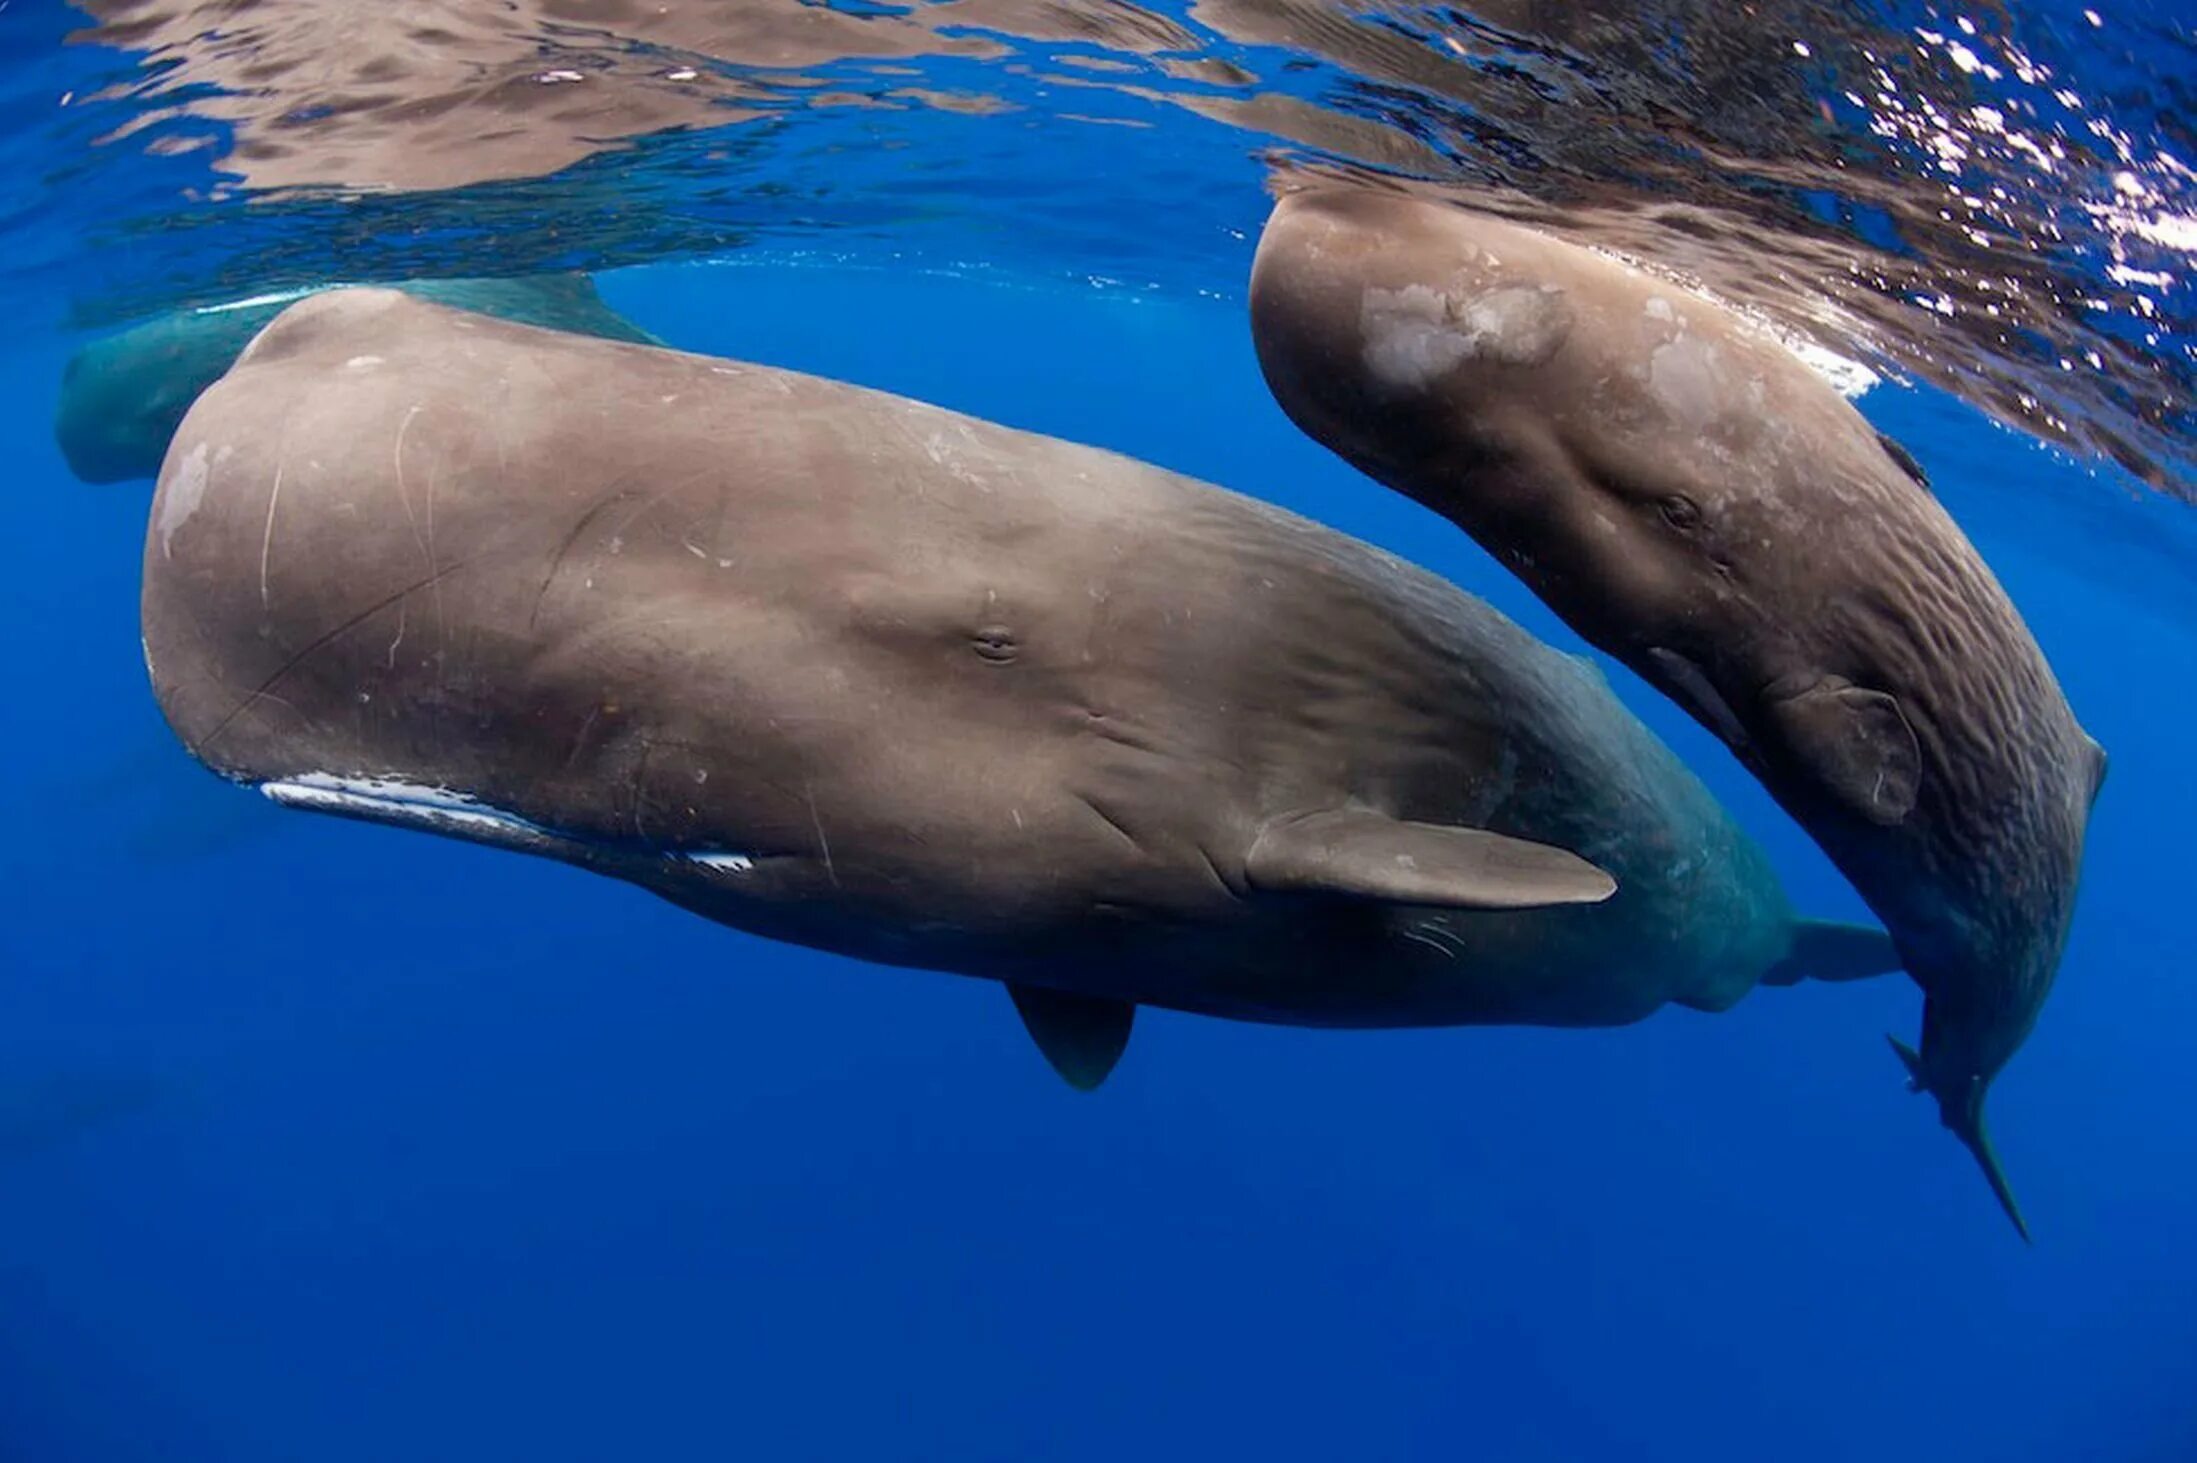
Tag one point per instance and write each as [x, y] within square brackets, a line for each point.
[1828, 950]
[1965, 1121]
[1978, 1142]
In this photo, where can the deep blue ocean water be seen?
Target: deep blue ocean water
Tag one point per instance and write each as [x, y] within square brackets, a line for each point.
[328, 1142]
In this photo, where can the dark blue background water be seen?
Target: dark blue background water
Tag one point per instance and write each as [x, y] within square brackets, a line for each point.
[319, 1141]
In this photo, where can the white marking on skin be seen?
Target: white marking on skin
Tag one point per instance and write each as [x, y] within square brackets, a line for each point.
[359, 362]
[400, 635]
[821, 841]
[731, 863]
[1416, 335]
[397, 801]
[182, 497]
[404, 494]
[1426, 937]
[1686, 375]
[444, 810]
[267, 538]
[277, 298]
[1660, 309]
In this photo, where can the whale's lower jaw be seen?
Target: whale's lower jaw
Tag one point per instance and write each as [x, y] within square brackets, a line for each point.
[451, 814]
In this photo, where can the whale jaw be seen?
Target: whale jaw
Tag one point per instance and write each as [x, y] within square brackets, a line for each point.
[400, 803]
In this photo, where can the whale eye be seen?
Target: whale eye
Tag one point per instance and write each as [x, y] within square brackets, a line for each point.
[995, 643]
[1680, 512]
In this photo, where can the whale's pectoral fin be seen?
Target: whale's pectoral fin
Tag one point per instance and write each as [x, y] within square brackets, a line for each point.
[1369, 855]
[1691, 688]
[1826, 950]
[1082, 1036]
[1912, 1061]
[1857, 743]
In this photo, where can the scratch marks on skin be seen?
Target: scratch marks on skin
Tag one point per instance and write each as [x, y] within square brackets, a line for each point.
[639, 793]
[404, 494]
[618, 493]
[1426, 936]
[579, 739]
[267, 538]
[262, 690]
[809, 791]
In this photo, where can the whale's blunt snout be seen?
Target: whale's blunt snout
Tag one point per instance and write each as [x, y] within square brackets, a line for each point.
[1960, 1108]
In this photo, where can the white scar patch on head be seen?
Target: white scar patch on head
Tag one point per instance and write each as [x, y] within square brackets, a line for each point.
[1416, 335]
[1688, 378]
[182, 495]
[358, 361]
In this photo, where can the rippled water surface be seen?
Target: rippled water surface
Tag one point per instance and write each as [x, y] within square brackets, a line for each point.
[321, 1141]
[1998, 199]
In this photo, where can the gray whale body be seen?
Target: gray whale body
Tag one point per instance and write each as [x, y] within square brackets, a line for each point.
[863, 674]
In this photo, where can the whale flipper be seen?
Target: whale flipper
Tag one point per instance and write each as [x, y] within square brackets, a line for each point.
[1081, 1036]
[1370, 855]
[1827, 950]
[1858, 744]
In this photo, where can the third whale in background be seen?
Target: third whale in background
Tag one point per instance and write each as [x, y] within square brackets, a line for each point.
[123, 394]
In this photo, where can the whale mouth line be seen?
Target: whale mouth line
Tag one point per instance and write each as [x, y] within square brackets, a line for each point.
[453, 814]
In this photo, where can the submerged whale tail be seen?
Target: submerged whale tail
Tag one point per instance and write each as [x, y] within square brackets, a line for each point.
[1964, 1118]
[1827, 950]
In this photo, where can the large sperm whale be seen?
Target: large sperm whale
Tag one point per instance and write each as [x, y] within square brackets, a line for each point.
[1692, 498]
[856, 672]
[123, 395]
